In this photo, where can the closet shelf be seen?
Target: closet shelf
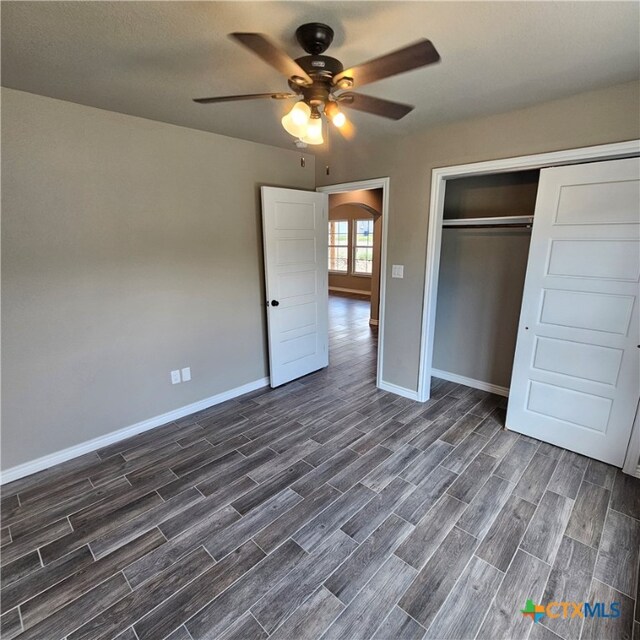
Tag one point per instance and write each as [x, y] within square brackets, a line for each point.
[497, 221]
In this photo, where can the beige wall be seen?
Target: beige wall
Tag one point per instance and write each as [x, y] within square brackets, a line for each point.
[597, 117]
[129, 248]
[482, 277]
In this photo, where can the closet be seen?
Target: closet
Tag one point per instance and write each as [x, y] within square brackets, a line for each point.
[538, 299]
[486, 232]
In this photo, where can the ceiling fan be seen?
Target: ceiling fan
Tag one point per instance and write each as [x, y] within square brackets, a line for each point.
[323, 83]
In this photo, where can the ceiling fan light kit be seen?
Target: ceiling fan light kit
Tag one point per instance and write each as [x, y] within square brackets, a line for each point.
[322, 83]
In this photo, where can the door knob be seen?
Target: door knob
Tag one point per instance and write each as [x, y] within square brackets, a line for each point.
[274, 303]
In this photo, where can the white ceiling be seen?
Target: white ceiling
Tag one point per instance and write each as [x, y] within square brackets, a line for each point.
[150, 58]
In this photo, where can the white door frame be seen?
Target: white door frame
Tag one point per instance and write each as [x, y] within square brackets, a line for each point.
[376, 183]
[439, 176]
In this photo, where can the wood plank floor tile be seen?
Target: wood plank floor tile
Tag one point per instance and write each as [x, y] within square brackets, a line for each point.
[147, 521]
[237, 599]
[47, 535]
[617, 563]
[303, 581]
[226, 540]
[17, 570]
[486, 505]
[625, 496]
[514, 464]
[534, 480]
[569, 581]
[166, 554]
[92, 530]
[41, 578]
[297, 517]
[69, 507]
[376, 511]
[333, 517]
[600, 473]
[567, 477]
[185, 603]
[431, 457]
[331, 448]
[306, 485]
[588, 515]
[544, 535]
[129, 609]
[245, 628]
[388, 469]
[92, 603]
[500, 444]
[352, 576]
[399, 626]
[200, 510]
[360, 468]
[424, 598]
[501, 542]
[430, 531]
[370, 607]
[425, 495]
[10, 625]
[271, 487]
[281, 461]
[472, 479]
[73, 586]
[462, 612]
[525, 579]
[311, 618]
[599, 628]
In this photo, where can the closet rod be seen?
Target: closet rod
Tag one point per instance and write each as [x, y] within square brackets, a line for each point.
[493, 222]
[519, 225]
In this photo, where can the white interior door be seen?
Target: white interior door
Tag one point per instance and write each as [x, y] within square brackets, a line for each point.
[295, 235]
[575, 378]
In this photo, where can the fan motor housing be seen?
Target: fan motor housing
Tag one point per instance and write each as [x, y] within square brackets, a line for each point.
[314, 37]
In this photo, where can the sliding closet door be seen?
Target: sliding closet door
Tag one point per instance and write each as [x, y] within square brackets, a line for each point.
[576, 370]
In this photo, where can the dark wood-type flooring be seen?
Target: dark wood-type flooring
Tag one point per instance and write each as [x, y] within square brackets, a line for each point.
[323, 509]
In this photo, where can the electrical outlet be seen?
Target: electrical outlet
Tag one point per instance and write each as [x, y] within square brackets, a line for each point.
[186, 374]
[397, 271]
[175, 377]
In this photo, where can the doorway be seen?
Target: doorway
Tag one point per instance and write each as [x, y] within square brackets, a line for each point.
[358, 222]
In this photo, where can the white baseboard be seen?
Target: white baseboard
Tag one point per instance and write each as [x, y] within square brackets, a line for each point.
[470, 382]
[399, 391]
[343, 290]
[27, 468]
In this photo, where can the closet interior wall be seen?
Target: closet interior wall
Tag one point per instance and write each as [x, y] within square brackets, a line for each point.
[481, 278]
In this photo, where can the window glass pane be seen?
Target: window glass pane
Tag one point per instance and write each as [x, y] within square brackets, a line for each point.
[338, 233]
[338, 257]
[363, 247]
[363, 262]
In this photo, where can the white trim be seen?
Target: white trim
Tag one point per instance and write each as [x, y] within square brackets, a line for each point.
[399, 391]
[632, 460]
[376, 183]
[27, 468]
[439, 177]
[344, 290]
[471, 382]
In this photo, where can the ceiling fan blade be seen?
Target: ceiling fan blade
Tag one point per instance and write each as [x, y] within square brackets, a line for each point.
[248, 96]
[419, 54]
[272, 55]
[376, 106]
